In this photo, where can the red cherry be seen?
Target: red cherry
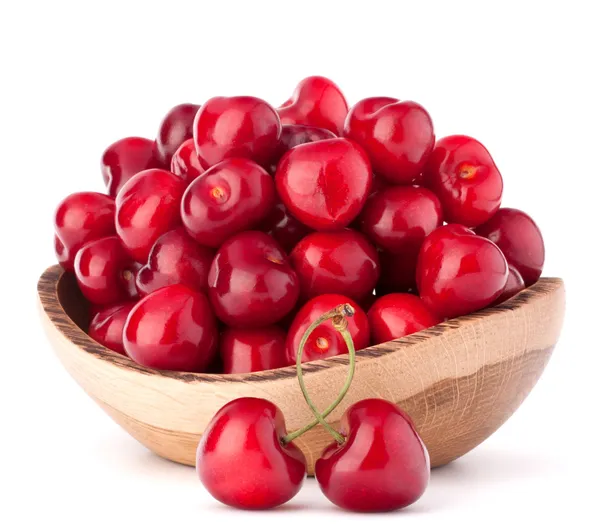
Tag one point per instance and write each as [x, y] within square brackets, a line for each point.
[397, 315]
[125, 158]
[397, 135]
[176, 128]
[325, 341]
[464, 176]
[284, 228]
[324, 184]
[459, 273]
[243, 126]
[252, 350]
[383, 465]
[106, 327]
[317, 101]
[440, 233]
[241, 460]
[175, 258]
[80, 218]
[147, 207]
[514, 285]
[172, 328]
[398, 218]
[185, 162]
[229, 198]
[293, 135]
[520, 239]
[342, 262]
[251, 282]
[105, 272]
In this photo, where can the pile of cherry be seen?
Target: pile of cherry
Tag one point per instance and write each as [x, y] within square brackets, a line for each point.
[220, 242]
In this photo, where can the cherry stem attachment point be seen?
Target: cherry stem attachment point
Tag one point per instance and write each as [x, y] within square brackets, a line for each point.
[338, 316]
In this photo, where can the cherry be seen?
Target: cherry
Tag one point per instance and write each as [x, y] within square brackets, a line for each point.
[520, 239]
[125, 158]
[293, 135]
[459, 273]
[397, 135]
[185, 162]
[252, 350]
[251, 282]
[284, 228]
[464, 176]
[175, 258]
[514, 285]
[324, 184]
[396, 315]
[325, 341]
[106, 326]
[147, 207]
[343, 262]
[242, 461]
[172, 328]
[398, 218]
[105, 272]
[317, 101]
[80, 218]
[383, 464]
[229, 198]
[241, 126]
[176, 128]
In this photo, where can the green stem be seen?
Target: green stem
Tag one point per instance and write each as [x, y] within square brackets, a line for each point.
[338, 315]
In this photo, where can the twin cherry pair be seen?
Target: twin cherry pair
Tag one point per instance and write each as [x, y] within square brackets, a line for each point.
[247, 459]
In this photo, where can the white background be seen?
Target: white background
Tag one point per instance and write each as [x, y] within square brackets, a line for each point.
[76, 76]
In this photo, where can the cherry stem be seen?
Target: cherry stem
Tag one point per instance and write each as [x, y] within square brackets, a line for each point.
[338, 316]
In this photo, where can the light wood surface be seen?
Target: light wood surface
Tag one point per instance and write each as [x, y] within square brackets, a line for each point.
[459, 381]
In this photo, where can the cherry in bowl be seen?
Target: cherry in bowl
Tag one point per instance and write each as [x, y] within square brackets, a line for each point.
[173, 328]
[251, 281]
[245, 350]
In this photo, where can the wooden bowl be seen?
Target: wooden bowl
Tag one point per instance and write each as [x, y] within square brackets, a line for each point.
[459, 381]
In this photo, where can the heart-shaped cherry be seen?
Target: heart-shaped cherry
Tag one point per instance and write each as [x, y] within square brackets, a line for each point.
[147, 207]
[105, 272]
[317, 101]
[175, 258]
[459, 272]
[242, 461]
[324, 184]
[242, 127]
[106, 326]
[252, 350]
[462, 173]
[283, 227]
[343, 262]
[251, 282]
[125, 158]
[175, 128]
[230, 197]
[398, 218]
[520, 240]
[172, 328]
[325, 341]
[79, 219]
[514, 285]
[397, 135]
[293, 135]
[383, 464]
[396, 315]
[185, 162]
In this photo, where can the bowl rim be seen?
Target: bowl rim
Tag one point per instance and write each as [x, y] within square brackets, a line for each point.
[51, 278]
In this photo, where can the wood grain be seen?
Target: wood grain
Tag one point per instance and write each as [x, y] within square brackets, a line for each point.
[459, 381]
